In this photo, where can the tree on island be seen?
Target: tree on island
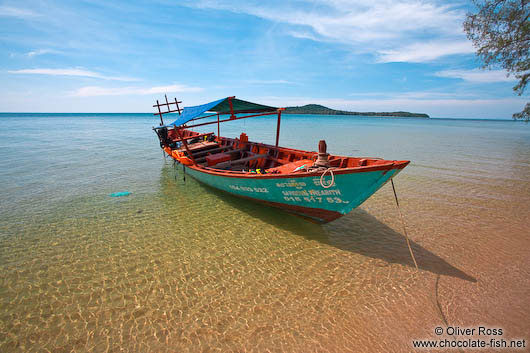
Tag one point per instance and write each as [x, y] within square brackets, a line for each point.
[501, 32]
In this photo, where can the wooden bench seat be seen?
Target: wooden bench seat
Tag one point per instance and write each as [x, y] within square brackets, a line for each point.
[203, 158]
[212, 151]
[227, 164]
[197, 146]
[192, 137]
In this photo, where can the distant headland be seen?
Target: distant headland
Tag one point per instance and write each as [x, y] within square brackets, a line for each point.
[321, 110]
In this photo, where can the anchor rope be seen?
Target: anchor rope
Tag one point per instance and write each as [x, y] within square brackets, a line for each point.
[439, 310]
[403, 223]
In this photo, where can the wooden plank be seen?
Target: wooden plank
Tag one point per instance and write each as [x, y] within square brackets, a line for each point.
[198, 146]
[239, 161]
[193, 136]
[203, 158]
[213, 150]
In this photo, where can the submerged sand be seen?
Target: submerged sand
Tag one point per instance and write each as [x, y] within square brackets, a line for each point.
[179, 267]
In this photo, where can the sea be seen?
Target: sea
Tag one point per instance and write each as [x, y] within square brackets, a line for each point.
[176, 266]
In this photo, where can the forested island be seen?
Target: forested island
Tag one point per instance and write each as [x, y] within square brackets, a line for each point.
[321, 110]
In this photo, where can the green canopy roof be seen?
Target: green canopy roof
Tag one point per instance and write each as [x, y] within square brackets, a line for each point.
[241, 106]
[221, 105]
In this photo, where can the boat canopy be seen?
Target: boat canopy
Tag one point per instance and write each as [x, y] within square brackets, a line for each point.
[220, 106]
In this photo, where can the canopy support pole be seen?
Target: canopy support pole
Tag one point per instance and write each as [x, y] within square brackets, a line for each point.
[278, 126]
[218, 126]
[186, 147]
[232, 116]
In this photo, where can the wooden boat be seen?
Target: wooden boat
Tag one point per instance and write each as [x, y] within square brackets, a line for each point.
[316, 185]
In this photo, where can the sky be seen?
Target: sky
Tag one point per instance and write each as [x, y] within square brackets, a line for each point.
[357, 55]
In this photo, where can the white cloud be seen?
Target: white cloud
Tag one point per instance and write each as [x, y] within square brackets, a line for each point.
[393, 29]
[7, 11]
[477, 75]
[271, 82]
[425, 51]
[302, 35]
[92, 91]
[42, 52]
[71, 72]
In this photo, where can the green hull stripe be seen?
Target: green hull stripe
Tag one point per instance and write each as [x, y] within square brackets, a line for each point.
[347, 192]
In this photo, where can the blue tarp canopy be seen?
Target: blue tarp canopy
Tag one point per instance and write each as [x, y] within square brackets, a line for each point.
[221, 105]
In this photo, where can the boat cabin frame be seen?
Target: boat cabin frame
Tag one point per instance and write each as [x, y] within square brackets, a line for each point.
[232, 113]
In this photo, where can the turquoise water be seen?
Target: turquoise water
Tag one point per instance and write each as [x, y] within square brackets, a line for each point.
[177, 266]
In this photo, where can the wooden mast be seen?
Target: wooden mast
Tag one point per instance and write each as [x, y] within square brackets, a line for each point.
[278, 125]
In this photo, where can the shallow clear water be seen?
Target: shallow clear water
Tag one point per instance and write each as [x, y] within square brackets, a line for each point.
[177, 266]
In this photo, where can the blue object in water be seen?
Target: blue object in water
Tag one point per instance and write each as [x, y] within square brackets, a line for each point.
[120, 194]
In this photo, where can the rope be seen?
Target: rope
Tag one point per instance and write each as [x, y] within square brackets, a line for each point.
[404, 227]
[436, 285]
[332, 179]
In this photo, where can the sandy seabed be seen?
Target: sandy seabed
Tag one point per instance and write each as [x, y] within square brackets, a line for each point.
[178, 267]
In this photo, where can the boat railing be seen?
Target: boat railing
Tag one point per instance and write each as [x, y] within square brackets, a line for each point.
[169, 110]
